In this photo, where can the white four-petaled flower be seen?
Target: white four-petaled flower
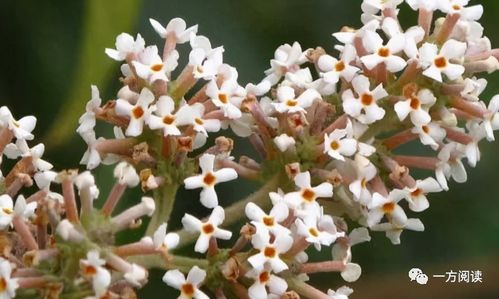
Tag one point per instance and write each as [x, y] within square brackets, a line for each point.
[208, 179]
[207, 229]
[436, 62]
[366, 101]
[189, 287]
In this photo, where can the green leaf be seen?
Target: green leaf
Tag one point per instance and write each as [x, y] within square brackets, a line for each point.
[104, 20]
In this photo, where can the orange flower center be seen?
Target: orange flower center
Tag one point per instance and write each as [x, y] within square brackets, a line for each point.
[268, 221]
[291, 103]
[223, 98]
[388, 207]
[335, 145]
[440, 62]
[312, 231]
[208, 228]
[3, 285]
[340, 65]
[384, 52]
[157, 67]
[198, 121]
[264, 277]
[308, 195]
[366, 99]
[7, 211]
[426, 129]
[187, 289]
[416, 192]
[269, 252]
[89, 271]
[137, 112]
[169, 119]
[415, 103]
[209, 179]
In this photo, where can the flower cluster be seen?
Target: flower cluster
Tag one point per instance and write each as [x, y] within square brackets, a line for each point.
[327, 127]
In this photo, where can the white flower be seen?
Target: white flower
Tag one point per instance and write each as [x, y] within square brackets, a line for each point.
[417, 107]
[20, 128]
[207, 229]
[92, 269]
[206, 64]
[87, 120]
[337, 145]
[413, 36]
[370, 8]
[200, 124]
[473, 88]
[386, 206]
[162, 240]
[472, 151]
[491, 121]
[8, 285]
[208, 179]
[23, 209]
[126, 174]
[287, 58]
[85, 182]
[270, 251]
[6, 211]
[430, 134]
[356, 130]
[136, 275]
[126, 45]
[91, 157]
[365, 102]
[366, 171]
[164, 118]
[450, 165]
[227, 97]
[265, 279]
[428, 5]
[436, 62]
[416, 196]
[270, 222]
[288, 103]
[21, 149]
[307, 194]
[284, 142]
[458, 7]
[177, 27]
[137, 113]
[394, 231]
[341, 293]
[332, 69]
[149, 65]
[384, 53]
[308, 228]
[189, 288]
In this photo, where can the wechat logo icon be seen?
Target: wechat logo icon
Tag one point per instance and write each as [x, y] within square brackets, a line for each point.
[416, 274]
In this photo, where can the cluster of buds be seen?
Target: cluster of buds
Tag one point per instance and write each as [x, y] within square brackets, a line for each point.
[329, 131]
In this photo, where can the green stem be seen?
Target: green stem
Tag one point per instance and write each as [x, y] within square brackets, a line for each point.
[235, 212]
[164, 198]
[182, 263]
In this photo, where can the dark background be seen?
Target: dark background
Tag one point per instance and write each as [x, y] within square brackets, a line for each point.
[51, 51]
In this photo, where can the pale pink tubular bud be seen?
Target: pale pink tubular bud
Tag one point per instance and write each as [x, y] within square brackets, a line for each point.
[68, 232]
[130, 216]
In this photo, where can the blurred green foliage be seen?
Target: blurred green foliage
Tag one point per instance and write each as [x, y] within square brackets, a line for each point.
[53, 50]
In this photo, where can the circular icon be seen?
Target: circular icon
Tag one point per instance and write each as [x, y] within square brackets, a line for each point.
[422, 278]
[414, 272]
